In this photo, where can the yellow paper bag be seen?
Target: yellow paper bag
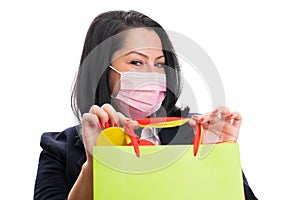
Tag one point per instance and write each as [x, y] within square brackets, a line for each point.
[168, 172]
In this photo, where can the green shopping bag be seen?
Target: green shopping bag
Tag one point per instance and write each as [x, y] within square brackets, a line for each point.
[168, 172]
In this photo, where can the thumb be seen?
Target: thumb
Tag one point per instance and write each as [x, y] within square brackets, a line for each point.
[122, 119]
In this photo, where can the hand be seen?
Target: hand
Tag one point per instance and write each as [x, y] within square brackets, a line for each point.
[95, 121]
[219, 125]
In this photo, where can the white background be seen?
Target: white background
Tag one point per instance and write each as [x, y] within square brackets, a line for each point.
[254, 44]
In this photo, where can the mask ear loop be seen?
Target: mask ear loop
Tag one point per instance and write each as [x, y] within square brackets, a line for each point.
[122, 74]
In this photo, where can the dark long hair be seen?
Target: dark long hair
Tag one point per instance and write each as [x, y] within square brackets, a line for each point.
[92, 82]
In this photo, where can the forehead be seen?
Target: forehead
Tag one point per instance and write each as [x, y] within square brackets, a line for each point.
[140, 39]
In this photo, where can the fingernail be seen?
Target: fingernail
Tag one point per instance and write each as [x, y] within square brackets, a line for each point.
[192, 122]
[99, 124]
[106, 125]
[116, 124]
[215, 111]
[230, 115]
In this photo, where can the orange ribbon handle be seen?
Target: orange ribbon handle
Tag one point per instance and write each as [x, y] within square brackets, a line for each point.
[197, 138]
[134, 139]
[156, 120]
[164, 122]
[177, 122]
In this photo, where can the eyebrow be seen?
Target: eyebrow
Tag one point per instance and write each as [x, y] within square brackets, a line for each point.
[141, 54]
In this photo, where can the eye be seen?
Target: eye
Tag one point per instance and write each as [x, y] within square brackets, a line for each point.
[136, 63]
[159, 65]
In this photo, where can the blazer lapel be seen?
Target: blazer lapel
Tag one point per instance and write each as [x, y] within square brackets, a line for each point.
[81, 158]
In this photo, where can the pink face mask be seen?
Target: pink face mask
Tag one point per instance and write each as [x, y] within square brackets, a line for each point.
[140, 94]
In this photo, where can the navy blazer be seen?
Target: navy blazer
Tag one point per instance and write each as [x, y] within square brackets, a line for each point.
[63, 155]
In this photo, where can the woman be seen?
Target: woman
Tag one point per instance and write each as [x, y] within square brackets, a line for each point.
[122, 51]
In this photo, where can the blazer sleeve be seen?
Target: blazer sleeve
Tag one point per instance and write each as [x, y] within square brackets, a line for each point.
[249, 195]
[50, 181]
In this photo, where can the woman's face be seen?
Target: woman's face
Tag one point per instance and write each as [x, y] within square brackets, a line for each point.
[142, 52]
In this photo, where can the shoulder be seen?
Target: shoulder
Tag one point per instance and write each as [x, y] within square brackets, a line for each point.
[58, 160]
[60, 140]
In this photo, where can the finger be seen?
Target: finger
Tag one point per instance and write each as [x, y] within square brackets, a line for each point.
[112, 115]
[221, 113]
[237, 119]
[229, 130]
[225, 137]
[197, 119]
[101, 114]
[215, 115]
[89, 119]
[228, 118]
[192, 122]
[130, 125]
[205, 118]
[225, 111]
[90, 132]
[215, 111]
[121, 118]
[213, 136]
[222, 127]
